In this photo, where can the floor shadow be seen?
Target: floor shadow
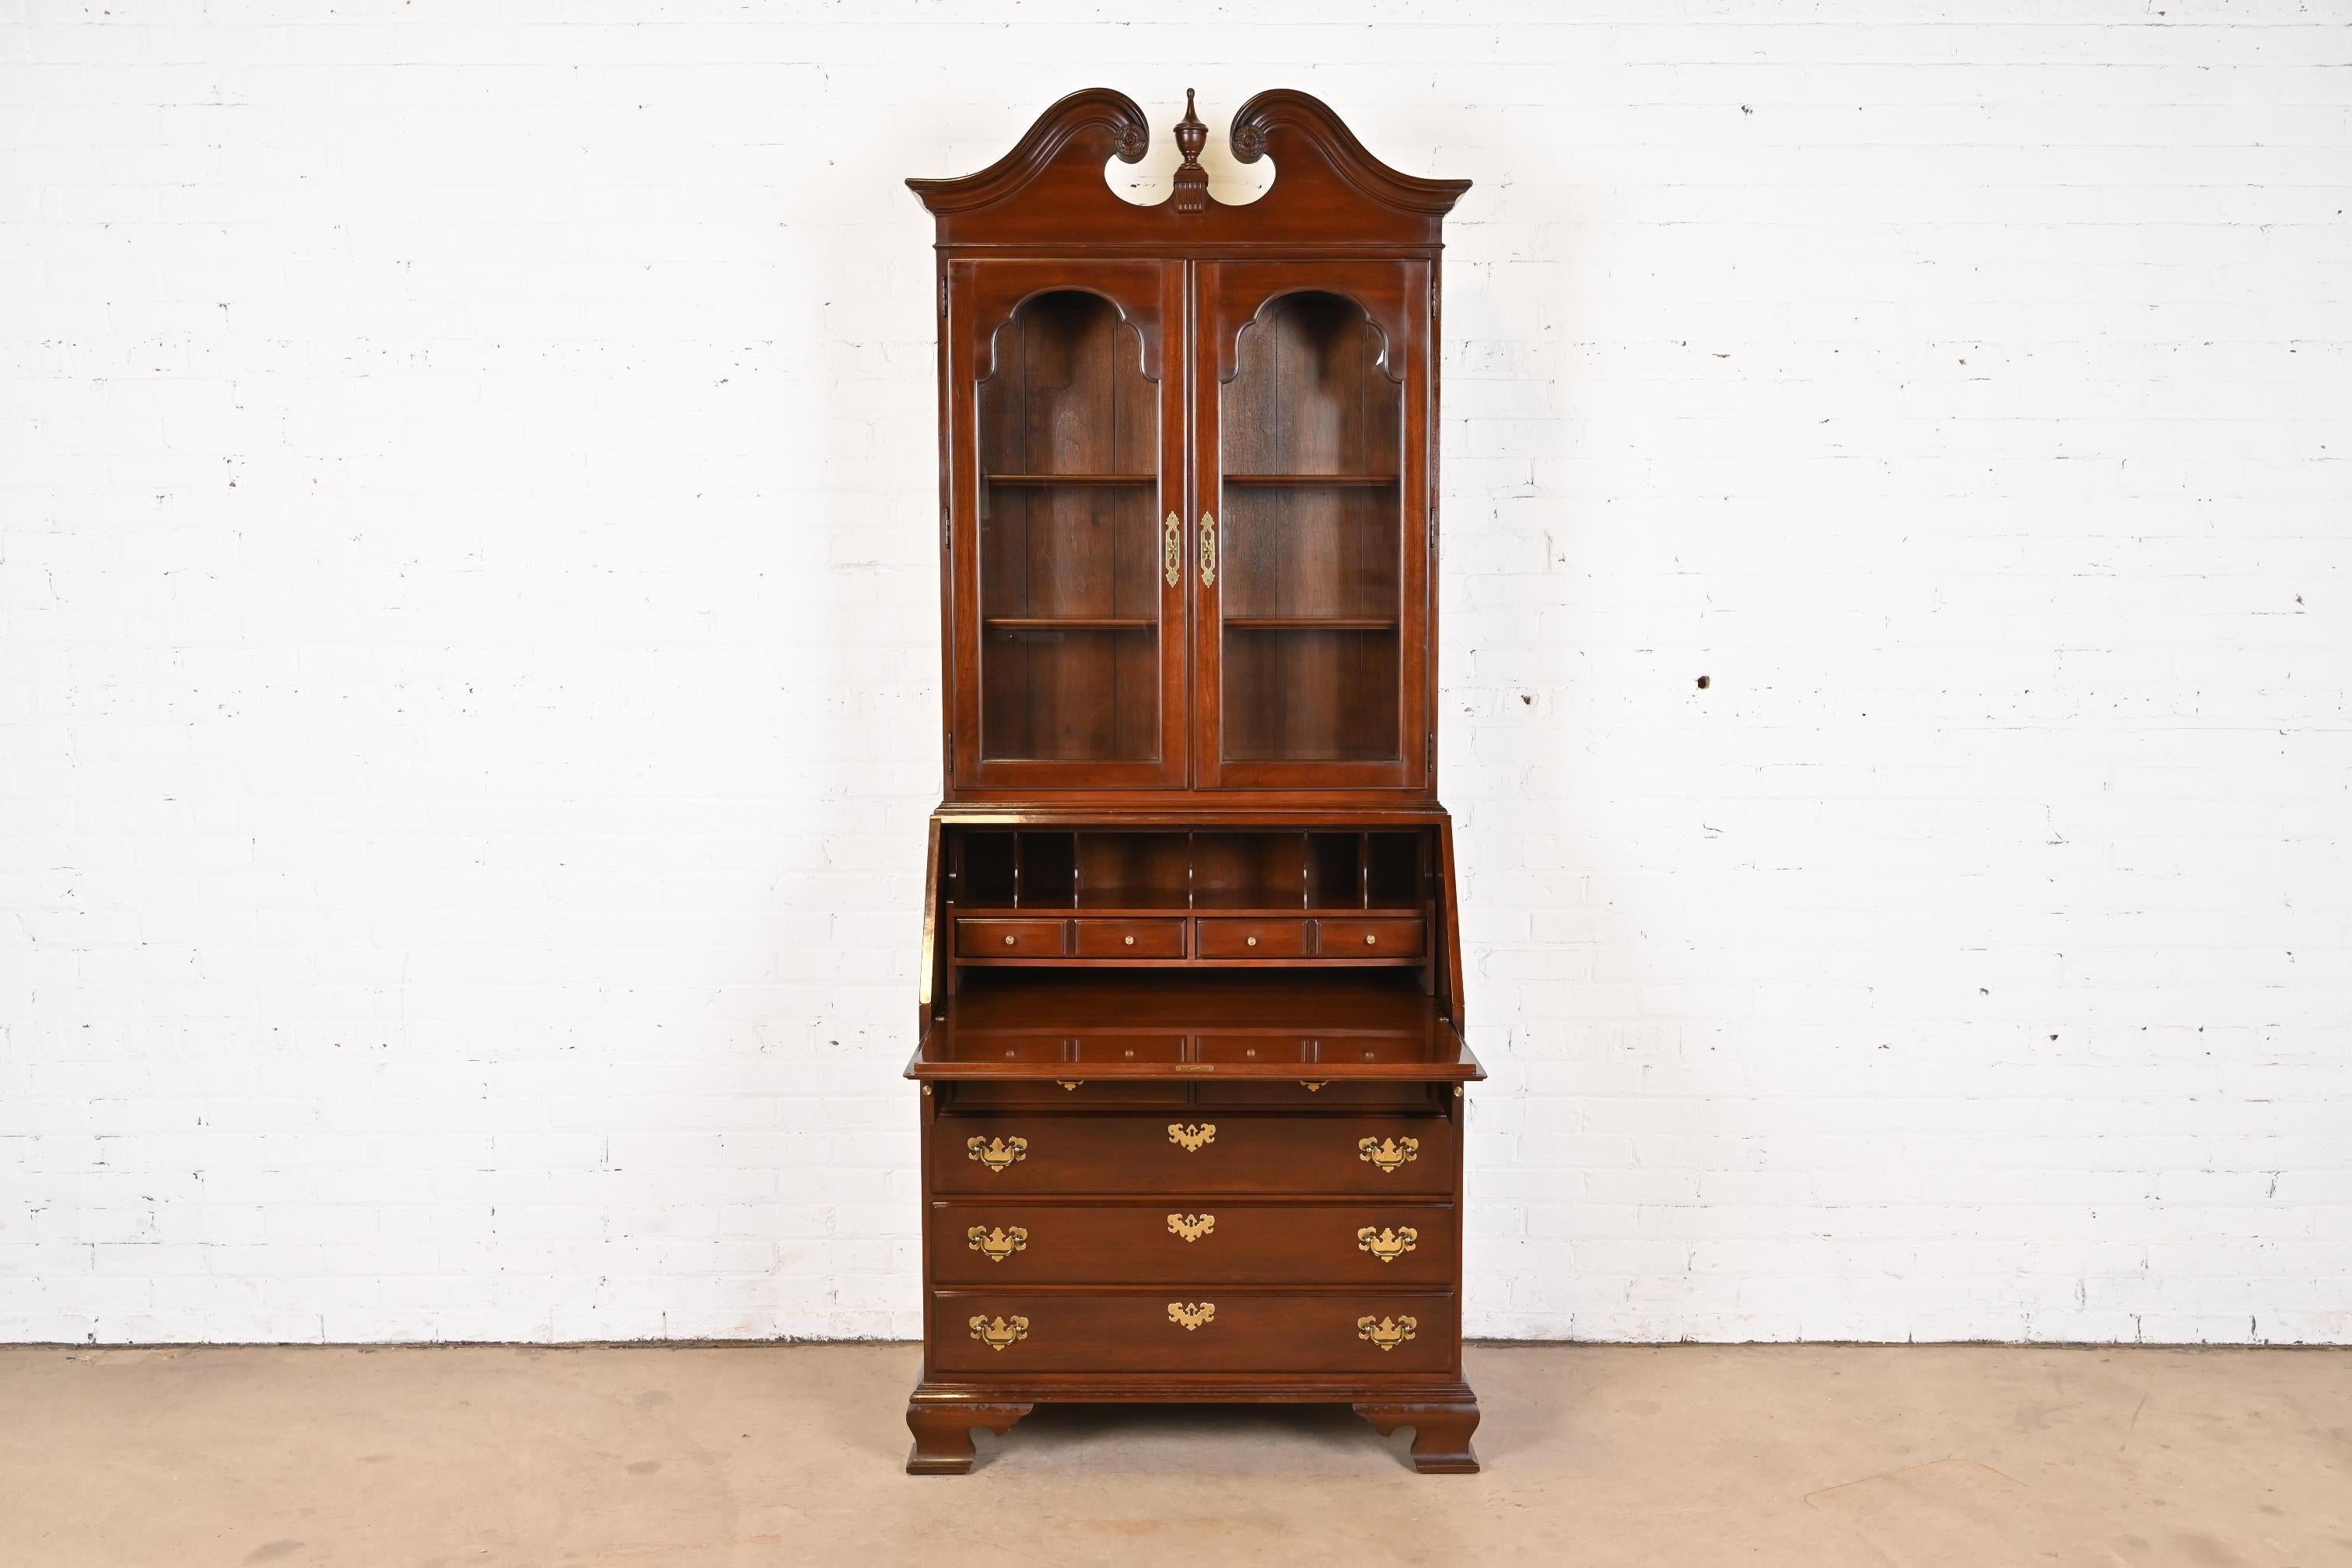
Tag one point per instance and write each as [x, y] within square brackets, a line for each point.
[1113, 1435]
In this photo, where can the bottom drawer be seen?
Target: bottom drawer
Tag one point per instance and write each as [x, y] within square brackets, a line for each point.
[1196, 1328]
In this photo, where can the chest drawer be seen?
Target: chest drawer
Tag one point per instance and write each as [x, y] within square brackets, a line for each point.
[1226, 938]
[1189, 1242]
[1192, 1152]
[1008, 939]
[1015, 1334]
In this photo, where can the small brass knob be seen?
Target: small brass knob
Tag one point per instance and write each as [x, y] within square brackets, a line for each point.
[1008, 942]
[1129, 939]
[1253, 941]
[1370, 939]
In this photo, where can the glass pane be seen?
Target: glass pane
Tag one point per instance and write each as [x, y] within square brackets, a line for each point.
[1070, 550]
[1310, 549]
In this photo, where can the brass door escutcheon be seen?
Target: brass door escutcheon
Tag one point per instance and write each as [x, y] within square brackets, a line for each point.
[1174, 550]
[1191, 1226]
[998, 1333]
[1388, 1245]
[996, 1246]
[1386, 1333]
[1208, 551]
[1190, 1136]
[996, 1153]
[1385, 1155]
[1191, 1315]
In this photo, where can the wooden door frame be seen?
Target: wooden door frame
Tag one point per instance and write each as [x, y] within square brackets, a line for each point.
[981, 296]
[1396, 294]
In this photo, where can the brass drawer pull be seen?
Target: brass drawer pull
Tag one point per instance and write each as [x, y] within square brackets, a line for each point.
[1388, 1245]
[1191, 1315]
[996, 1246]
[1174, 550]
[1385, 1332]
[998, 1333]
[1370, 939]
[1008, 942]
[1191, 1226]
[996, 1153]
[1190, 1136]
[1252, 941]
[1385, 1155]
[1129, 941]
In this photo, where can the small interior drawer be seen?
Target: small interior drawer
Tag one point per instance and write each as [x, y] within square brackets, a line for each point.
[1226, 938]
[1131, 938]
[1368, 936]
[1008, 939]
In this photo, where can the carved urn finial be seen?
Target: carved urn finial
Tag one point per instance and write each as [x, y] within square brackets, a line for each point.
[1191, 180]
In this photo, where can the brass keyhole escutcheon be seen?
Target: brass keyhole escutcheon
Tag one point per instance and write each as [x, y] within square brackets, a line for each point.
[1208, 551]
[998, 1333]
[1191, 1226]
[1385, 1155]
[997, 1245]
[1191, 1136]
[996, 1153]
[1386, 1333]
[1314, 1088]
[1174, 553]
[1191, 1315]
[1386, 1245]
[1069, 1085]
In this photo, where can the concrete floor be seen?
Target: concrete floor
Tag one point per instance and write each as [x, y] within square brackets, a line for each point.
[1690, 1455]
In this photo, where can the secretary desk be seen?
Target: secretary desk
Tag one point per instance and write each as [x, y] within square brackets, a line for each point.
[1191, 1061]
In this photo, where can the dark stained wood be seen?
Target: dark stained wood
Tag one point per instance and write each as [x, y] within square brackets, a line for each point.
[943, 1430]
[1201, 1027]
[1017, 1154]
[1441, 1436]
[1253, 938]
[1198, 1238]
[1190, 1065]
[1247, 1331]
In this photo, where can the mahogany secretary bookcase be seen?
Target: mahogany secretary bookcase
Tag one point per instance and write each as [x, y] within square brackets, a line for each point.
[1192, 1063]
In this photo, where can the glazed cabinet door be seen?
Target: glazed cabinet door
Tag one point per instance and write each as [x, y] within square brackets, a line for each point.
[1065, 533]
[1311, 465]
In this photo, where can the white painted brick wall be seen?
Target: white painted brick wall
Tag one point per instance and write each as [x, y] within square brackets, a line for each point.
[468, 700]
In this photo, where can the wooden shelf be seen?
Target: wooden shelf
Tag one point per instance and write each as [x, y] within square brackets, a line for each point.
[1073, 479]
[1069, 622]
[1311, 479]
[1312, 622]
[1177, 901]
[1343, 1012]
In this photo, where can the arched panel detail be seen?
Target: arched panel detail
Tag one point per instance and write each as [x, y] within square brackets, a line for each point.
[1067, 390]
[1390, 332]
[991, 327]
